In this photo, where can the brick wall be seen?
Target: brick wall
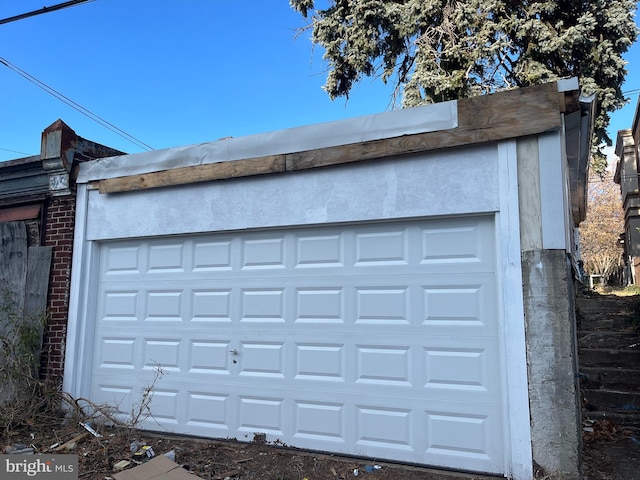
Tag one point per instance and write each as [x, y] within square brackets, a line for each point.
[59, 226]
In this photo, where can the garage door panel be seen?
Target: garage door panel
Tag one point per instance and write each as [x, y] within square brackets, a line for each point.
[164, 305]
[318, 361]
[319, 304]
[462, 433]
[207, 409]
[378, 365]
[434, 362]
[165, 406]
[374, 306]
[263, 253]
[464, 245]
[461, 304]
[318, 251]
[161, 353]
[317, 421]
[208, 357]
[210, 305]
[377, 248]
[376, 339]
[451, 371]
[119, 305]
[384, 427]
[166, 258]
[456, 369]
[264, 305]
[116, 392]
[108, 385]
[116, 352]
[121, 259]
[447, 245]
[262, 359]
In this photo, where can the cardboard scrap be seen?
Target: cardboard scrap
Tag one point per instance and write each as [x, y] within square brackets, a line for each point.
[121, 465]
[71, 443]
[158, 468]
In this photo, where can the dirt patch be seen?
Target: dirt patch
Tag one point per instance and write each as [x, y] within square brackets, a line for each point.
[609, 453]
[211, 459]
[618, 459]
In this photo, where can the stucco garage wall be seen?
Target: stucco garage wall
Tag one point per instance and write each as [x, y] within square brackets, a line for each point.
[455, 182]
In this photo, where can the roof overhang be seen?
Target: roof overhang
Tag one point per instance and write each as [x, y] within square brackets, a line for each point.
[578, 124]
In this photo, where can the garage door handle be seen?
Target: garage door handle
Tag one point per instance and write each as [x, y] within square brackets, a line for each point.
[233, 352]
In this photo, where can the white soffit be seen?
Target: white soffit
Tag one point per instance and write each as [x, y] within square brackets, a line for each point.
[429, 118]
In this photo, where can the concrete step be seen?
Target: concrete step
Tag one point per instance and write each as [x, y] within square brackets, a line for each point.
[608, 303]
[607, 307]
[610, 377]
[608, 339]
[609, 324]
[612, 400]
[607, 313]
[629, 419]
[588, 357]
[609, 358]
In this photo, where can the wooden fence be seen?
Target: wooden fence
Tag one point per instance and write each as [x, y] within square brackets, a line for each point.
[24, 281]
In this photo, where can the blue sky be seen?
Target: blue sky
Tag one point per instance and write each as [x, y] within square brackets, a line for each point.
[174, 73]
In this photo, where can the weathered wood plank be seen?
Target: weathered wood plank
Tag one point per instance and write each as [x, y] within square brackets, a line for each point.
[13, 274]
[513, 113]
[510, 114]
[13, 261]
[37, 285]
[529, 194]
[488, 118]
[198, 173]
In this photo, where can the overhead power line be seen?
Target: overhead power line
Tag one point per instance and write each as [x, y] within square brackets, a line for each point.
[76, 106]
[53, 8]
[15, 151]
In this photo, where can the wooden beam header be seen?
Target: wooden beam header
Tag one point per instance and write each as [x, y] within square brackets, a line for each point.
[488, 118]
[197, 173]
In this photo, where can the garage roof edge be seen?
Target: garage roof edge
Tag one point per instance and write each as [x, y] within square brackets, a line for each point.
[509, 114]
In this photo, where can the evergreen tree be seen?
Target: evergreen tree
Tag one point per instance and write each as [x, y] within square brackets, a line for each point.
[436, 50]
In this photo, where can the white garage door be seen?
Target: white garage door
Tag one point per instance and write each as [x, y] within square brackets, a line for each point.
[376, 339]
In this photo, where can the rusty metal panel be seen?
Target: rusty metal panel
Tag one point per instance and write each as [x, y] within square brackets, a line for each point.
[23, 212]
